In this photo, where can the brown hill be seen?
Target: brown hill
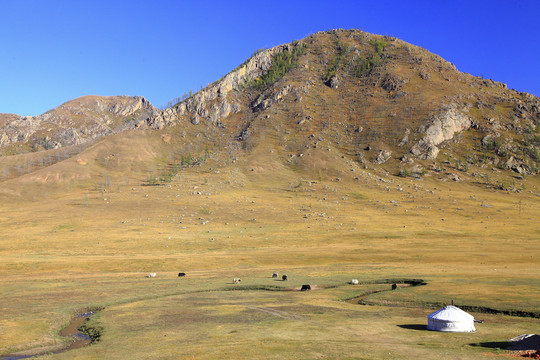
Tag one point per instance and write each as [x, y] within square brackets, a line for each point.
[73, 123]
[329, 104]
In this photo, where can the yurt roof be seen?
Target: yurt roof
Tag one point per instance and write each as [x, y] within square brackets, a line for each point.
[451, 313]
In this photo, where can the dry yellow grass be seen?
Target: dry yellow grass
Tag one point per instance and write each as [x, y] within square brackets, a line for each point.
[87, 248]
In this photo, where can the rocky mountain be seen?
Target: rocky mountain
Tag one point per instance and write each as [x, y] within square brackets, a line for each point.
[379, 99]
[75, 122]
[331, 103]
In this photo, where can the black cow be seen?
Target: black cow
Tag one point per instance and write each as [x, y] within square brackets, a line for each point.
[284, 278]
[305, 287]
[394, 286]
[181, 274]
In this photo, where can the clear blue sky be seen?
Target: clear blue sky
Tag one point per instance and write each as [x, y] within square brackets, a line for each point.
[53, 51]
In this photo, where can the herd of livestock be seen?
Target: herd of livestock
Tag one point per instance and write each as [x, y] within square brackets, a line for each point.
[274, 275]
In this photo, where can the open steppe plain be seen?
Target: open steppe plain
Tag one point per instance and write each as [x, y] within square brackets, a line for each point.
[76, 249]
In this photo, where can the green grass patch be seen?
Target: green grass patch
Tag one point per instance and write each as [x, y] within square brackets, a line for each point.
[358, 196]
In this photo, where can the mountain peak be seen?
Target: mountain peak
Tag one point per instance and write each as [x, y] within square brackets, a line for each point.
[372, 100]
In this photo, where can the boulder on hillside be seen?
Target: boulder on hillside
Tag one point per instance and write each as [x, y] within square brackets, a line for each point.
[439, 128]
[392, 83]
[333, 82]
[382, 157]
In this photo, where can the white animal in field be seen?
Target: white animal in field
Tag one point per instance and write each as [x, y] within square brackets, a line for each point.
[151, 275]
[354, 281]
[236, 280]
[275, 275]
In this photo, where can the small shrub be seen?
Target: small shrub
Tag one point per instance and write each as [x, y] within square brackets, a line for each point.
[379, 45]
[151, 180]
[358, 196]
[167, 177]
[205, 211]
[404, 172]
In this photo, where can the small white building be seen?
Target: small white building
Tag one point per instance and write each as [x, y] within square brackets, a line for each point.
[451, 319]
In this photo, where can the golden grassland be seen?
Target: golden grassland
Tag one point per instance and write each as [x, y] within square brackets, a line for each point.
[81, 231]
[92, 248]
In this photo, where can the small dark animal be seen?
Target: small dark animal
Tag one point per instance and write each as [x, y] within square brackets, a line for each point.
[394, 286]
[274, 275]
[305, 287]
[181, 274]
[284, 278]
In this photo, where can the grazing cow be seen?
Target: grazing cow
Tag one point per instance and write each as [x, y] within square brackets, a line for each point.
[394, 286]
[236, 280]
[151, 275]
[181, 274]
[274, 275]
[284, 278]
[354, 281]
[305, 287]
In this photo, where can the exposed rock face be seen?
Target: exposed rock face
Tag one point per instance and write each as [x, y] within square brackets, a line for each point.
[19, 128]
[93, 116]
[74, 122]
[160, 119]
[213, 104]
[439, 128]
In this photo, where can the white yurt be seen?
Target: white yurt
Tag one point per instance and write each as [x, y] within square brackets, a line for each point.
[451, 319]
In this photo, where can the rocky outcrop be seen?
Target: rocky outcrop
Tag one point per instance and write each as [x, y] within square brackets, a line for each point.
[392, 82]
[160, 119]
[382, 157]
[74, 122]
[270, 97]
[439, 128]
[216, 102]
[518, 166]
[424, 75]
[123, 108]
[18, 129]
[91, 117]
